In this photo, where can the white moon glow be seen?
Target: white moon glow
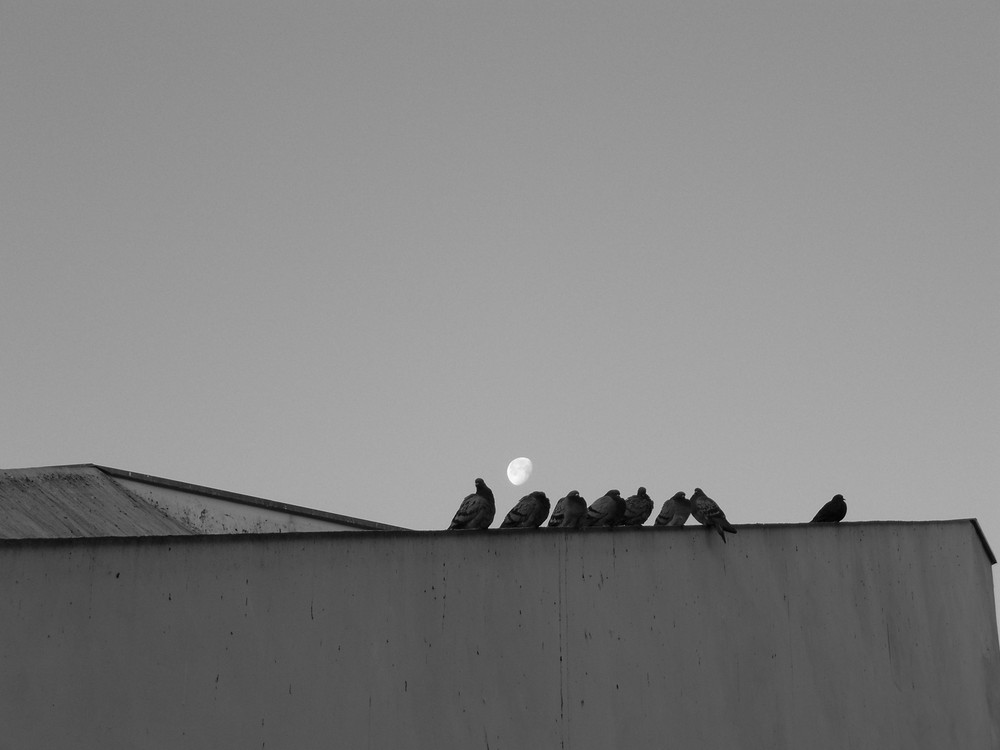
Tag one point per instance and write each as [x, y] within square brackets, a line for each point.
[519, 470]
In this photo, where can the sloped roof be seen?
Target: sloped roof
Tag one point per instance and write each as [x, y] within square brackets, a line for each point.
[350, 522]
[87, 500]
[75, 501]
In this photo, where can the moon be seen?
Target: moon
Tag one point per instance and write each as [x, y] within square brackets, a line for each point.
[519, 470]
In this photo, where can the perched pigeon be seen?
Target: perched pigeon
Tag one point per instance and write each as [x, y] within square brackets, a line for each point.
[637, 508]
[833, 512]
[529, 513]
[575, 514]
[708, 513]
[559, 511]
[477, 510]
[607, 510]
[675, 511]
[569, 512]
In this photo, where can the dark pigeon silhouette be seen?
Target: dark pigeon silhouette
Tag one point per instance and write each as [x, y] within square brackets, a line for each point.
[675, 511]
[477, 510]
[576, 511]
[637, 508]
[559, 511]
[833, 512]
[529, 513]
[607, 510]
[570, 511]
[707, 512]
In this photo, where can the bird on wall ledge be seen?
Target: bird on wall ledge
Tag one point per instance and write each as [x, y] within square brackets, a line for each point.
[611, 509]
[638, 508]
[477, 510]
[529, 513]
[833, 512]
[675, 511]
[607, 510]
[708, 513]
[570, 511]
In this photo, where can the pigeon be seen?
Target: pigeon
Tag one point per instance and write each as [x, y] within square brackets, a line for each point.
[708, 513]
[529, 513]
[477, 510]
[575, 514]
[569, 511]
[675, 511]
[607, 510]
[833, 512]
[637, 508]
[559, 511]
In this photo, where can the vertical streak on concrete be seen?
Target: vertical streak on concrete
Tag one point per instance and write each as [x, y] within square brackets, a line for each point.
[563, 639]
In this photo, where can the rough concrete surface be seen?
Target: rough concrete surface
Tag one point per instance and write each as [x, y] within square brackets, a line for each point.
[861, 635]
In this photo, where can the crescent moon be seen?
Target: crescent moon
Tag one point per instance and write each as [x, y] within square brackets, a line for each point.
[519, 470]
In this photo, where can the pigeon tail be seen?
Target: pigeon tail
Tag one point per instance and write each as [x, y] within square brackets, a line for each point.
[722, 525]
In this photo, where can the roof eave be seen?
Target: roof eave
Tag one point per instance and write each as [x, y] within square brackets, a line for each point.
[236, 497]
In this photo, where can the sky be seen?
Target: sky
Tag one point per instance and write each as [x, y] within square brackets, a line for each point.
[353, 255]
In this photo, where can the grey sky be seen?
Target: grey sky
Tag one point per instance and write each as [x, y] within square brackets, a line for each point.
[353, 255]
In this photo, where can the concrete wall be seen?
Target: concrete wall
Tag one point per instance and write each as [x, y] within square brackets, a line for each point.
[871, 635]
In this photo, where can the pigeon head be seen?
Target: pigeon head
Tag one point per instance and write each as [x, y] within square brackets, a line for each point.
[573, 493]
[613, 493]
[641, 492]
[697, 492]
[839, 497]
[682, 500]
[539, 494]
